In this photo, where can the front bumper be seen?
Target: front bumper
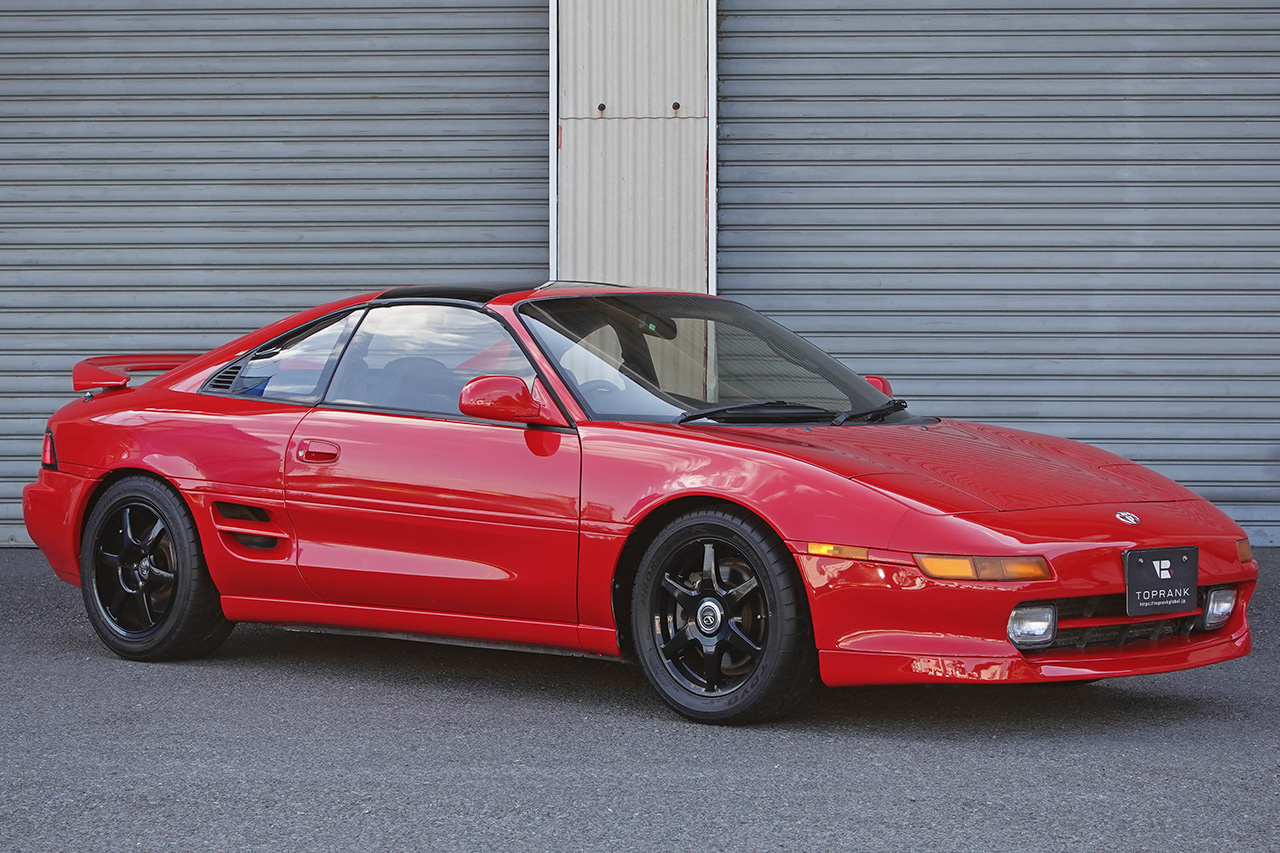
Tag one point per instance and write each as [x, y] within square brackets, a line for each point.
[949, 660]
[882, 621]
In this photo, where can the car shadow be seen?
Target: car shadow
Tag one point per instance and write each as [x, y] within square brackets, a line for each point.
[484, 671]
[612, 689]
[1054, 709]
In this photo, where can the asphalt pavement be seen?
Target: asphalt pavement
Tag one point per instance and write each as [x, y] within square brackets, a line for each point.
[287, 741]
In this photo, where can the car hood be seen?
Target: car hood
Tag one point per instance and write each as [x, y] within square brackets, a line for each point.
[954, 467]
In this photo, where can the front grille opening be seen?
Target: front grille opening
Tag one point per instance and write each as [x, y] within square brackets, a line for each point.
[1120, 633]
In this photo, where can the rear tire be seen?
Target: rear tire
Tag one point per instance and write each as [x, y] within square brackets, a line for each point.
[142, 574]
[720, 620]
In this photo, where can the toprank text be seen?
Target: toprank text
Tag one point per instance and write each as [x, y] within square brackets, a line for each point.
[1149, 594]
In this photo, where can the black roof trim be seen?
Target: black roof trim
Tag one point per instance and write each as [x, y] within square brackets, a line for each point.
[568, 284]
[479, 293]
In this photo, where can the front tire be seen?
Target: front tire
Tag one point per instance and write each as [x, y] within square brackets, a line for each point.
[720, 620]
[142, 575]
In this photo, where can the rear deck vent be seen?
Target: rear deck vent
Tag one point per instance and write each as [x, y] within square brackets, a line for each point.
[224, 379]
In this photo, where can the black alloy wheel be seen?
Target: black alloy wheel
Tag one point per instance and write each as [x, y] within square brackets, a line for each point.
[134, 570]
[720, 619]
[142, 575]
[711, 635]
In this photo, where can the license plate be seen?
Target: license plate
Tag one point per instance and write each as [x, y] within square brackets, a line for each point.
[1161, 580]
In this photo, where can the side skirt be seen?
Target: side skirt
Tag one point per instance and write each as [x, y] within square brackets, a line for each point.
[426, 626]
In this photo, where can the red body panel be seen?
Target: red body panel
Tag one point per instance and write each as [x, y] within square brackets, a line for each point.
[211, 448]
[629, 470]
[52, 508]
[445, 516]
[508, 533]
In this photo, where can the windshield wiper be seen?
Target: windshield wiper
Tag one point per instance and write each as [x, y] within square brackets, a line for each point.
[755, 404]
[879, 413]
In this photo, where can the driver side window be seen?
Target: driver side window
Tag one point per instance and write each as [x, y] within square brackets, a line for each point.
[416, 358]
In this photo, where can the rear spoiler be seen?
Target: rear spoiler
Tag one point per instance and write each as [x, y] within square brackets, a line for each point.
[113, 371]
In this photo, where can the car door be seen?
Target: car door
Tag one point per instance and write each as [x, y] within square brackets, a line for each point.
[400, 501]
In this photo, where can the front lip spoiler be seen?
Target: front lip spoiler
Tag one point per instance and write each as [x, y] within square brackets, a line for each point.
[844, 668]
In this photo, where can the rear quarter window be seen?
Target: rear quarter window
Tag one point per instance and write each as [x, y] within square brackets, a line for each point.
[293, 368]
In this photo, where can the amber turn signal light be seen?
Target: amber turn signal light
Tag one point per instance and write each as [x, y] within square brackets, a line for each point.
[984, 568]
[1245, 550]
[847, 552]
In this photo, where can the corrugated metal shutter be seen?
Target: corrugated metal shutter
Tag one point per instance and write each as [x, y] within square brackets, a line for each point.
[1066, 219]
[174, 174]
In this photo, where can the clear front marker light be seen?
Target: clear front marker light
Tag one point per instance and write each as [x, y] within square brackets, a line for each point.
[1218, 607]
[1033, 626]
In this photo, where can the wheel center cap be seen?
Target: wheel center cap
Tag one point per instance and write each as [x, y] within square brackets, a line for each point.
[131, 578]
[710, 616]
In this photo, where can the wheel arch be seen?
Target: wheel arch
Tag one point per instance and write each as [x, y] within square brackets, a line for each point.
[186, 619]
[111, 478]
[638, 540]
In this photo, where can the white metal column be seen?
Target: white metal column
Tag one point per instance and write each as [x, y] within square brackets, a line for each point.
[632, 172]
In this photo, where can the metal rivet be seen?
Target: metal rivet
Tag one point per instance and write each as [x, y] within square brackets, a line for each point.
[676, 105]
[600, 107]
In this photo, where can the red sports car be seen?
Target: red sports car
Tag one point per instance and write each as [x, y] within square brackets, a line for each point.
[665, 477]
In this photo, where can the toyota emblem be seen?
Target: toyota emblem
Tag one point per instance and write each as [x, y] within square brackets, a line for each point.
[1128, 518]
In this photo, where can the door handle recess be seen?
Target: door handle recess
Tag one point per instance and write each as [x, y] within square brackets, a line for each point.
[311, 450]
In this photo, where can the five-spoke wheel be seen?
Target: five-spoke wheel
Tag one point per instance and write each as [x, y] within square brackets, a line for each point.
[143, 578]
[720, 621]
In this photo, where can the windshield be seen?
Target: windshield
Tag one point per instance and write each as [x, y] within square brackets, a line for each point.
[679, 358]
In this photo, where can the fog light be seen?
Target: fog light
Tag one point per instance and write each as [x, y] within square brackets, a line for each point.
[1033, 626]
[1218, 607]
